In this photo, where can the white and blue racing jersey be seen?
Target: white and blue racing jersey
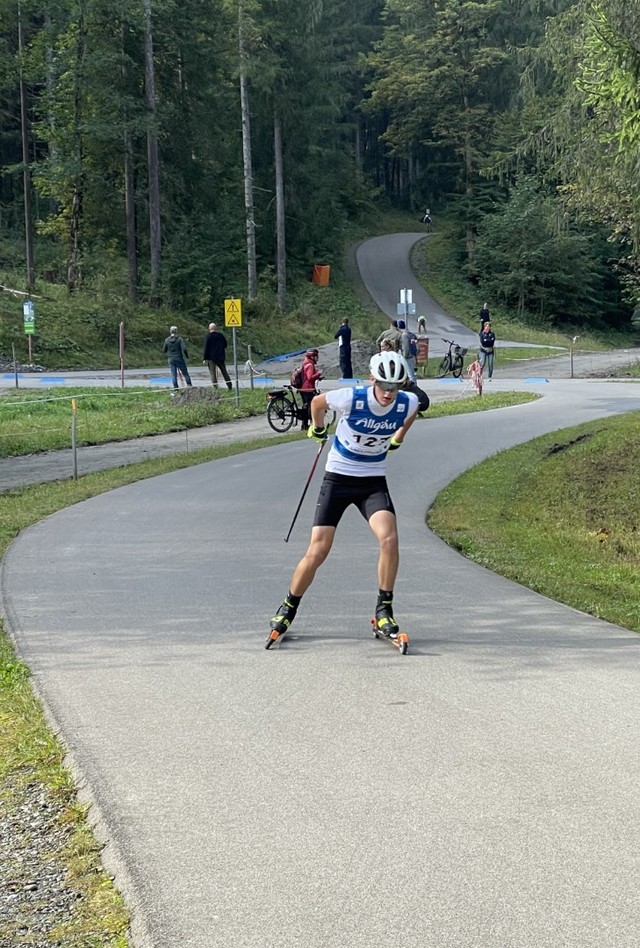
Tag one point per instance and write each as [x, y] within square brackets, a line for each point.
[365, 429]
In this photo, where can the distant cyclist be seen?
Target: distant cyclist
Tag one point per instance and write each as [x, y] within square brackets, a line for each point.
[372, 420]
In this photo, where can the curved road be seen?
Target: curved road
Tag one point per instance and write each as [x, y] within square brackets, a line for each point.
[481, 791]
[385, 268]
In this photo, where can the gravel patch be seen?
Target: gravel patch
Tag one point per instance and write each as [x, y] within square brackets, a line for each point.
[36, 895]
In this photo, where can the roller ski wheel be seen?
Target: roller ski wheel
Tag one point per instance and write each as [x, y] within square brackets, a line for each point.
[281, 623]
[400, 641]
[273, 637]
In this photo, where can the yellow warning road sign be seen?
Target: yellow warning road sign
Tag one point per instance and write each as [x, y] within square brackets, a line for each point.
[233, 312]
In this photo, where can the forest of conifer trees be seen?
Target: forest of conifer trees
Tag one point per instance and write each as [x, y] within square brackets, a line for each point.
[199, 149]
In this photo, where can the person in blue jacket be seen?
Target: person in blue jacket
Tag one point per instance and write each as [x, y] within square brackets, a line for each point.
[176, 353]
[487, 346]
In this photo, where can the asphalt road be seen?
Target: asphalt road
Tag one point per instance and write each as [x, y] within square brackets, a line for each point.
[480, 792]
[385, 269]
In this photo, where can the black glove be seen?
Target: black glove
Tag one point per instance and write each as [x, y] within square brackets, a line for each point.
[320, 434]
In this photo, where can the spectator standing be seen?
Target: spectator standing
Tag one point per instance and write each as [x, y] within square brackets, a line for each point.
[214, 355]
[406, 348]
[310, 377]
[343, 336]
[176, 352]
[485, 316]
[391, 335]
[487, 344]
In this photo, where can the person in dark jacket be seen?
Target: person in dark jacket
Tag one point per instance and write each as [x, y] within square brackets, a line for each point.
[343, 336]
[177, 354]
[487, 343]
[484, 315]
[214, 355]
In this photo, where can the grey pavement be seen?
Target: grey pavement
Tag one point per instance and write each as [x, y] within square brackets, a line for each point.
[481, 791]
[385, 268]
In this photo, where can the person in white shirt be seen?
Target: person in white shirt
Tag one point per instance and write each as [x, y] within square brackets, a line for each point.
[372, 420]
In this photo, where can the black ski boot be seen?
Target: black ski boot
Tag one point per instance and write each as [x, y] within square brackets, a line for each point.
[385, 623]
[281, 621]
[284, 617]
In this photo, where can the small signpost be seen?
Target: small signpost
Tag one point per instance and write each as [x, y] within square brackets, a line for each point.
[233, 318]
[29, 316]
[406, 306]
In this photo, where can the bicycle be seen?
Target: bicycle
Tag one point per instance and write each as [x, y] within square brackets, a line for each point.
[453, 360]
[286, 409]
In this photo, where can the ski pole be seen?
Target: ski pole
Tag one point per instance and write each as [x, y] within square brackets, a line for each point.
[304, 492]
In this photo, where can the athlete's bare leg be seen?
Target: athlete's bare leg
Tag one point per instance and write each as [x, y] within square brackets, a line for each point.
[317, 552]
[384, 525]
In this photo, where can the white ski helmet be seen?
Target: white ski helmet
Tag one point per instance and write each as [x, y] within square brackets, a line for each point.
[389, 367]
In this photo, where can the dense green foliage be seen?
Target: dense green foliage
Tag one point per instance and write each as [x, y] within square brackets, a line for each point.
[518, 121]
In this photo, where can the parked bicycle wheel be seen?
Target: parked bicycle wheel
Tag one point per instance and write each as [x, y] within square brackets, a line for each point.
[457, 367]
[444, 368]
[281, 413]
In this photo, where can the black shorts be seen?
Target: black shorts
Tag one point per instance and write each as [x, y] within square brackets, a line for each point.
[338, 491]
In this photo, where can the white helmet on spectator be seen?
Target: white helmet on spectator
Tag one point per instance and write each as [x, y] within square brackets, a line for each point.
[389, 367]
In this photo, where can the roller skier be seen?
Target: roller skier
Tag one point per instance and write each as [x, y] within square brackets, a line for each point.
[371, 421]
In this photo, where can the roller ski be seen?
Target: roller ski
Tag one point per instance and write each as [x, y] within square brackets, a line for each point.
[281, 622]
[386, 627]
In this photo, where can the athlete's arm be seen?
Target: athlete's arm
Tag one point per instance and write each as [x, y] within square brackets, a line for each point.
[319, 408]
[401, 432]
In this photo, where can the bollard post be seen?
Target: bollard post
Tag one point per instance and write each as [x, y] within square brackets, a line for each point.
[74, 438]
[15, 364]
[121, 349]
[250, 355]
[235, 362]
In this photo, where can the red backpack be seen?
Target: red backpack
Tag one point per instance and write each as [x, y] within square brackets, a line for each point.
[297, 377]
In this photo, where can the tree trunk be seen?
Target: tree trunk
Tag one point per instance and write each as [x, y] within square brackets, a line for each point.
[252, 271]
[129, 200]
[468, 170]
[130, 217]
[358, 148]
[152, 153]
[75, 217]
[26, 173]
[281, 250]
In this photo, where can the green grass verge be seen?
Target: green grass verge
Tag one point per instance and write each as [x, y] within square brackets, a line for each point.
[471, 403]
[33, 422]
[559, 515]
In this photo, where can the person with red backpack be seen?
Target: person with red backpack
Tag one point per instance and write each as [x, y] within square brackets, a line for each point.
[306, 382]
